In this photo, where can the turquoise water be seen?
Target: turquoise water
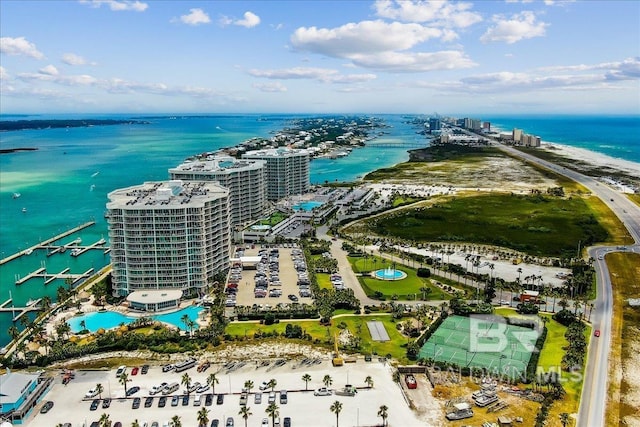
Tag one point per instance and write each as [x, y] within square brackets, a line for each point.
[113, 319]
[389, 274]
[306, 206]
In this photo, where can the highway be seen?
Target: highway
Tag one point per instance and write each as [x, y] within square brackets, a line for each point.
[594, 389]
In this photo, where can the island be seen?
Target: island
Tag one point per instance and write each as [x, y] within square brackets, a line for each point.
[13, 125]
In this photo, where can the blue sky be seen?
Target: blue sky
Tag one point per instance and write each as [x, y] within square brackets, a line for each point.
[379, 56]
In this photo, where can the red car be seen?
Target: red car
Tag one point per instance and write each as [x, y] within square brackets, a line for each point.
[134, 371]
[597, 333]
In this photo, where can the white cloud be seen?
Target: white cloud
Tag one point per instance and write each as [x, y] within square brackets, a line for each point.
[19, 46]
[437, 12]
[270, 87]
[518, 27]
[118, 5]
[73, 59]
[49, 70]
[323, 75]
[414, 62]
[250, 20]
[195, 17]
[4, 75]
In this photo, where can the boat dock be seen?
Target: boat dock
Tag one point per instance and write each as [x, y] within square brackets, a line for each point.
[46, 242]
[50, 277]
[79, 250]
[31, 306]
[62, 248]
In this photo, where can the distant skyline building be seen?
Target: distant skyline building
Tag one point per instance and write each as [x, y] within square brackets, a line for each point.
[287, 171]
[246, 180]
[167, 236]
[434, 124]
[472, 124]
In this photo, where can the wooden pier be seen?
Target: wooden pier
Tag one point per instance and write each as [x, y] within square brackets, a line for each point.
[46, 242]
[50, 277]
[31, 306]
[79, 250]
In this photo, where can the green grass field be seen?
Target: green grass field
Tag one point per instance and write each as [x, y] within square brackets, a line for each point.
[356, 324]
[406, 289]
[539, 225]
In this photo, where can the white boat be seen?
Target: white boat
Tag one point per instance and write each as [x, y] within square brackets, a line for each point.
[28, 251]
[24, 209]
[16, 195]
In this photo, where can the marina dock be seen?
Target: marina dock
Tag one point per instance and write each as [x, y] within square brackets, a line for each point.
[50, 277]
[31, 306]
[46, 242]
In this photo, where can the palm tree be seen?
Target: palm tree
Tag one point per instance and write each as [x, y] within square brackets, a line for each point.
[135, 423]
[245, 412]
[186, 381]
[272, 383]
[306, 378]
[124, 379]
[336, 407]
[327, 380]
[369, 381]
[83, 325]
[203, 417]
[212, 381]
[13, 332]
[99, 389]
[382, 413]
[272, 411]
[104, 420]
[248, 385]
[175, 421]
[564, 419]
[185, 319]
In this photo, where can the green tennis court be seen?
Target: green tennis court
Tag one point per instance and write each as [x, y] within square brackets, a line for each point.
[481, 342]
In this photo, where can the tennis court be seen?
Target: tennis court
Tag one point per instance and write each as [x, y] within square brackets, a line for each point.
[481, 342]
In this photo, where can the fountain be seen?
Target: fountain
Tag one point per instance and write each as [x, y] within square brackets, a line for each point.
[389, 274]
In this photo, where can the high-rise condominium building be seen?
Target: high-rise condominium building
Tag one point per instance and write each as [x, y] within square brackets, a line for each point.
[287, 171]
[167, 236]
[245, 179]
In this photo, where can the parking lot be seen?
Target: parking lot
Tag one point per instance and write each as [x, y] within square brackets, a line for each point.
[271, 281]
[302, 406]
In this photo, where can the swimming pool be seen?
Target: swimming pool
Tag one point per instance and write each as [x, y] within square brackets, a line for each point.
[306, 206]
[112, 319]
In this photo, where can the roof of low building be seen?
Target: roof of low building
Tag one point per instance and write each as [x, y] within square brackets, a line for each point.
[13, 385]
[154, 296]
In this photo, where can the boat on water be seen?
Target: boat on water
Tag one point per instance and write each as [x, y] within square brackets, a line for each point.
[28, 251]
[16, 195]
[76, 251]
[24, 210]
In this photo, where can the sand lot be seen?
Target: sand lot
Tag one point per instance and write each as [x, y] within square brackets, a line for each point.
[303, 407]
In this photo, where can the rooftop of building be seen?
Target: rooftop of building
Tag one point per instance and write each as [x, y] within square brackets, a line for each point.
[218, 164]
[175, 193]
[154, 296]
[276, 152]
[13, 385]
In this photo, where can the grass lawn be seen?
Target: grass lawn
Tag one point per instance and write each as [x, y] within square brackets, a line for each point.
[355, 323]
[624, 269]
[324, 280]
[535, 224]
[274, 219]
[406, 289]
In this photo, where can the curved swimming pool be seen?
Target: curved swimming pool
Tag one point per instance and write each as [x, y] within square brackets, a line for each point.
[112, 319]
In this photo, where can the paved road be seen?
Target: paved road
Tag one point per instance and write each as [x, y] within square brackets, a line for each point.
[594, 390]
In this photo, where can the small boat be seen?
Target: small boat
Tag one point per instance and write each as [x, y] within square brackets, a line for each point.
[16, 195]
[24, 210]
[28, 252]
[95, 174]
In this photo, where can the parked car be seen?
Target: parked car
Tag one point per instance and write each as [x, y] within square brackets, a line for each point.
[283, 397]
[185, 400]
[167, 368]
[257, 399]
[323, 391]
[121, 370]
[230, 422]
[203, 388]
[46, 407]
[134, 371]
[148, 402]
[91, 393]
[162, 401]
[145, 369]
[597, 333]
[272, 397]
[106, 403]
[264, 386]
[208, 399]
[293, 298]
[220, 399]
[265, 422]
[215, 422]
[286, 422]
[132, 390]
[175, 400]
[157, 389]
[136, 403]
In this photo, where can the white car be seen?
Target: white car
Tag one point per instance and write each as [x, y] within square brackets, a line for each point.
[121, 370]
[92, 393]
[264, 386]
[323, 391]
[265, 422]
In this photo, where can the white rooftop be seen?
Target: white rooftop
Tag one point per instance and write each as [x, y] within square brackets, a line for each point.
[12, 385]
[154, 296]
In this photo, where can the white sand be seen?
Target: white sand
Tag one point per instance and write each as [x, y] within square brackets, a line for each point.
[594, 158]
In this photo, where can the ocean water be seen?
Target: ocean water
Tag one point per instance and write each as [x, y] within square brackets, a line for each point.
[615, 136]
[66, 181]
